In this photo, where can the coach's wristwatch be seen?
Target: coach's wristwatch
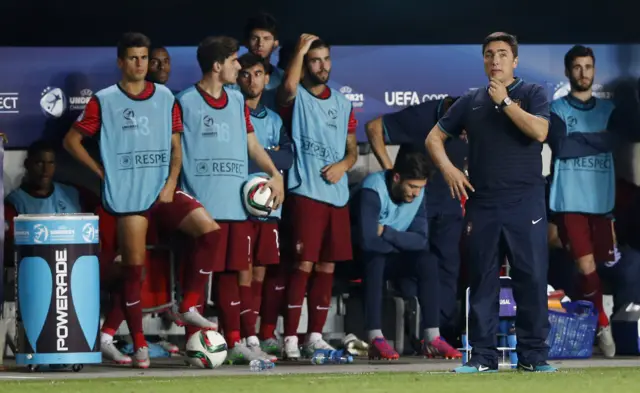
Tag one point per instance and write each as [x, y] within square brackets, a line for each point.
[506, 102]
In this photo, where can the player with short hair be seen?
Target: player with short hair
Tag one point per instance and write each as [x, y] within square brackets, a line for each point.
[261, 39]
[506, 123]
[139, 125]
[583, 133]
[391, 231]
[159, 65]
[317, 214]
[408, 128]
[218, 142]
[271, 134]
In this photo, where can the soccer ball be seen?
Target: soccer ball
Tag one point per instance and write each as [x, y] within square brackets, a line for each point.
[206, 349]
[254, 201]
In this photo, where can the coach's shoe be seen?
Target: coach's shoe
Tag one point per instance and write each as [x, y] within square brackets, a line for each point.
[254, 345]
[440, 348]
[472, 367]
[605, 341]
[110, 352]
[141, 358]
[291, 349]
[540, 367]
[315, 342]
[271, 346]
[241, 354]
[380, 349]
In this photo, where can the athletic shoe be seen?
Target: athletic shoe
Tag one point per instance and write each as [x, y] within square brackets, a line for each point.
[381, 349]
[194, 318]
[472, 367]
[355, 346]
[311, 346]
[169, 347]
[254, 345]
[110, 352]
[291, 349]
[605, 341]
[440, 348]
[241, 354]
[141, 358]
[271, 346]
[540, 367]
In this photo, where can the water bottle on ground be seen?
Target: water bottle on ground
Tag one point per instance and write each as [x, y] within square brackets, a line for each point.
[327, 356]
[257, 365]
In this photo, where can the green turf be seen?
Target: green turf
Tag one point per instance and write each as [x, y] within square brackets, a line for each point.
[618, 380]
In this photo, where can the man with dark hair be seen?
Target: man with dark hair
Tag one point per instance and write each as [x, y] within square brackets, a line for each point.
[408, 128]
[506, 124]
[390, 221]
[583, 133]
[159, 65]
[271, 134]
[139, 125]
[317, 215]
[218, 142]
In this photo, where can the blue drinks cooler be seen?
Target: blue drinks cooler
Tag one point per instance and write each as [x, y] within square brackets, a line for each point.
[58, 290]
[506, 329]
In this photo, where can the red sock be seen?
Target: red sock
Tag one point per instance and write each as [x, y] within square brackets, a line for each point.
[319, 300]
[274, 296]
[256, 294]
[229, 307]
[190, 329]
[592, 291]
[132, 304]
[116, 313]
[199, 269]
[247, 317]
[295, 297]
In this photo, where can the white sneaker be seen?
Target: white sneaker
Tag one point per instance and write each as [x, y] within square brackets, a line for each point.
[141, 358]
[291, 350]
[241, 354]
[110, 352]
[194, 318]
[605, 341]
[254, 345]
[315, 342]
[169, 347]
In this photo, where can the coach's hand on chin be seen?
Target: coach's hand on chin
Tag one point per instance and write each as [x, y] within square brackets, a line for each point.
[276, 185]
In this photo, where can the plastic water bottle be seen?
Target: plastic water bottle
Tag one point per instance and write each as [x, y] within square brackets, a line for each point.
[257, 365]
[512, 341]
[327, 356]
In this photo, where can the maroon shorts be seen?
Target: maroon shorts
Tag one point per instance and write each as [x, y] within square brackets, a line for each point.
[265, 243]
[316, 231]
[243, 242]
[169, 216]
[585, 234]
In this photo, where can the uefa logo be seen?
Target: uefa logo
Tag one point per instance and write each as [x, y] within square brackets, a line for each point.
[40, 233]
[88, 233]
[53, 102]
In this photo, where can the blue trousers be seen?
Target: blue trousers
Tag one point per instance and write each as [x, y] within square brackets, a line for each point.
[399, 268]
[519, 232]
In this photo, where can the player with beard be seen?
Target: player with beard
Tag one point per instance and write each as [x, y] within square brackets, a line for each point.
[265, 253]
[218, 142]
[139, 125]
[316, 213]
[584, 130]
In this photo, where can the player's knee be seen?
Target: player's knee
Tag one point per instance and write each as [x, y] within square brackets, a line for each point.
[586, 264]
[325, 267]
[258, 273]
[209, 239]
[244, 277]
[305, 266]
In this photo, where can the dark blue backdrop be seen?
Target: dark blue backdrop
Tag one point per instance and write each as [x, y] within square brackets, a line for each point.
[377, 79]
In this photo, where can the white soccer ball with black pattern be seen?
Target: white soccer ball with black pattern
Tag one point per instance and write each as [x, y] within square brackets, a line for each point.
[206, 349]
[255, 201]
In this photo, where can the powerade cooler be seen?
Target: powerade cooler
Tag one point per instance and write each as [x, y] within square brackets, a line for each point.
[58, 290]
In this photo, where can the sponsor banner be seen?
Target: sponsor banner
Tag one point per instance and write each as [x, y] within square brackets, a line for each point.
[43, 98]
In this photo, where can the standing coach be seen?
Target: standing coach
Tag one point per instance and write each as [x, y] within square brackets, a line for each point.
[506, 123]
